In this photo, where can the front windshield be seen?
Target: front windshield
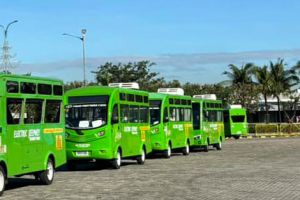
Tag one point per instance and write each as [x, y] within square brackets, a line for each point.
[84, 116]
[86, 112]
[238, 118]
[155, 107]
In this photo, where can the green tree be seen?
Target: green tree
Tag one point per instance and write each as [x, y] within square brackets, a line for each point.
[263, 78]
[283, 81]
[129, 72]
[244, 92]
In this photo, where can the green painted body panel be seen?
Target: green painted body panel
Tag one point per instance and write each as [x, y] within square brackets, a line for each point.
[25, 148]
[236, 123]
[208, 132]
[175, 133]
[129, 137]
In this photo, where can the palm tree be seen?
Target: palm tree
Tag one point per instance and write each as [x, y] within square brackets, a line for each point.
[242, 75]
[241, 81]
[282, 81]
[263, 78]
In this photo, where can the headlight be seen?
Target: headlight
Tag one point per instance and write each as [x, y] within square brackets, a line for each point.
[101, 133]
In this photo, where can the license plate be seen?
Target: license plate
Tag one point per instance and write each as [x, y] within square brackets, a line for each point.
[82, 153]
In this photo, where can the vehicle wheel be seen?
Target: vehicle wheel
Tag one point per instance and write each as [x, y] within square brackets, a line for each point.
[47, 175]
[116, 163]
[186, 149]
[205, 148]
[219, 146]
[168, 152]
[236, 137]
[2, 180]
[141, 159]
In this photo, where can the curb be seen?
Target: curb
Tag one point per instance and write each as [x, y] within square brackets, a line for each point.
[264, 136]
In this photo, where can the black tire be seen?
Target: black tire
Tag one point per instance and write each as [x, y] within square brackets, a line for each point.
[206, 147]
[3, 180]
[116, 163]
[236, 137]
[186, 149]
[141, 158]
[47, 176]
[167, 153]
[219, 145]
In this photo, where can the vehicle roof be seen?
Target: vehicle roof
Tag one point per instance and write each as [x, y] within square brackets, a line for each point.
[98, 90]
[206, 100]
[155, 95]
[27, 78]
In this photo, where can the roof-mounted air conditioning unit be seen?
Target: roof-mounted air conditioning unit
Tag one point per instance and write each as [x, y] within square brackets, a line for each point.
[176, 91]
[125, 85]
[235, 106]
[206, 96]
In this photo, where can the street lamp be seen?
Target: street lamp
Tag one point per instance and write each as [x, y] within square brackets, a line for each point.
[6, 56]
[6, 29]
[82, 38]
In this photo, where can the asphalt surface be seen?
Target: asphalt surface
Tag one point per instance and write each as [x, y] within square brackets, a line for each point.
[243, 169]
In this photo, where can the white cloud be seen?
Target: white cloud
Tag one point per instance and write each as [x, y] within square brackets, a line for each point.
[198, 67]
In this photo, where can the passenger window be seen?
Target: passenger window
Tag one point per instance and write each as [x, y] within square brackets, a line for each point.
[115, 115]
[28, 88]
[13, 111]
[124, 113]
[166, 116]
[44, 89]
[133, 114]
[33, 111]
[144, 115]
[57, 90]
[52, 113]
[12, 86]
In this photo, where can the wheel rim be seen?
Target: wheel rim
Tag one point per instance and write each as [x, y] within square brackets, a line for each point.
[169, 151]
[2, 181]
[220, 144]
[50, 171]
[143, 156]
[187, 148]
[119, 159]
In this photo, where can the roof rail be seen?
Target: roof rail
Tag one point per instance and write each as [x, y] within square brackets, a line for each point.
[177, 91]
[131, 85]
[206, 96]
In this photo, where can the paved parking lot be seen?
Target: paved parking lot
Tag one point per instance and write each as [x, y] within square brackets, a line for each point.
[244, 169]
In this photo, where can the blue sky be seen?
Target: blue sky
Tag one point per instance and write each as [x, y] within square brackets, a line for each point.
[192, 40]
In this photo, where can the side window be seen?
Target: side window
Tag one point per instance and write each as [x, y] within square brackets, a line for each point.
[115, 115]
[133, 114]
[181, 114]
[187, 114]
[52, 112]
[172, 114]
[12, 87]
[13, 111]
[124, 113]
[33, 111]
[166, 116]
[144, 114]
[57, 90]
[28, 88]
